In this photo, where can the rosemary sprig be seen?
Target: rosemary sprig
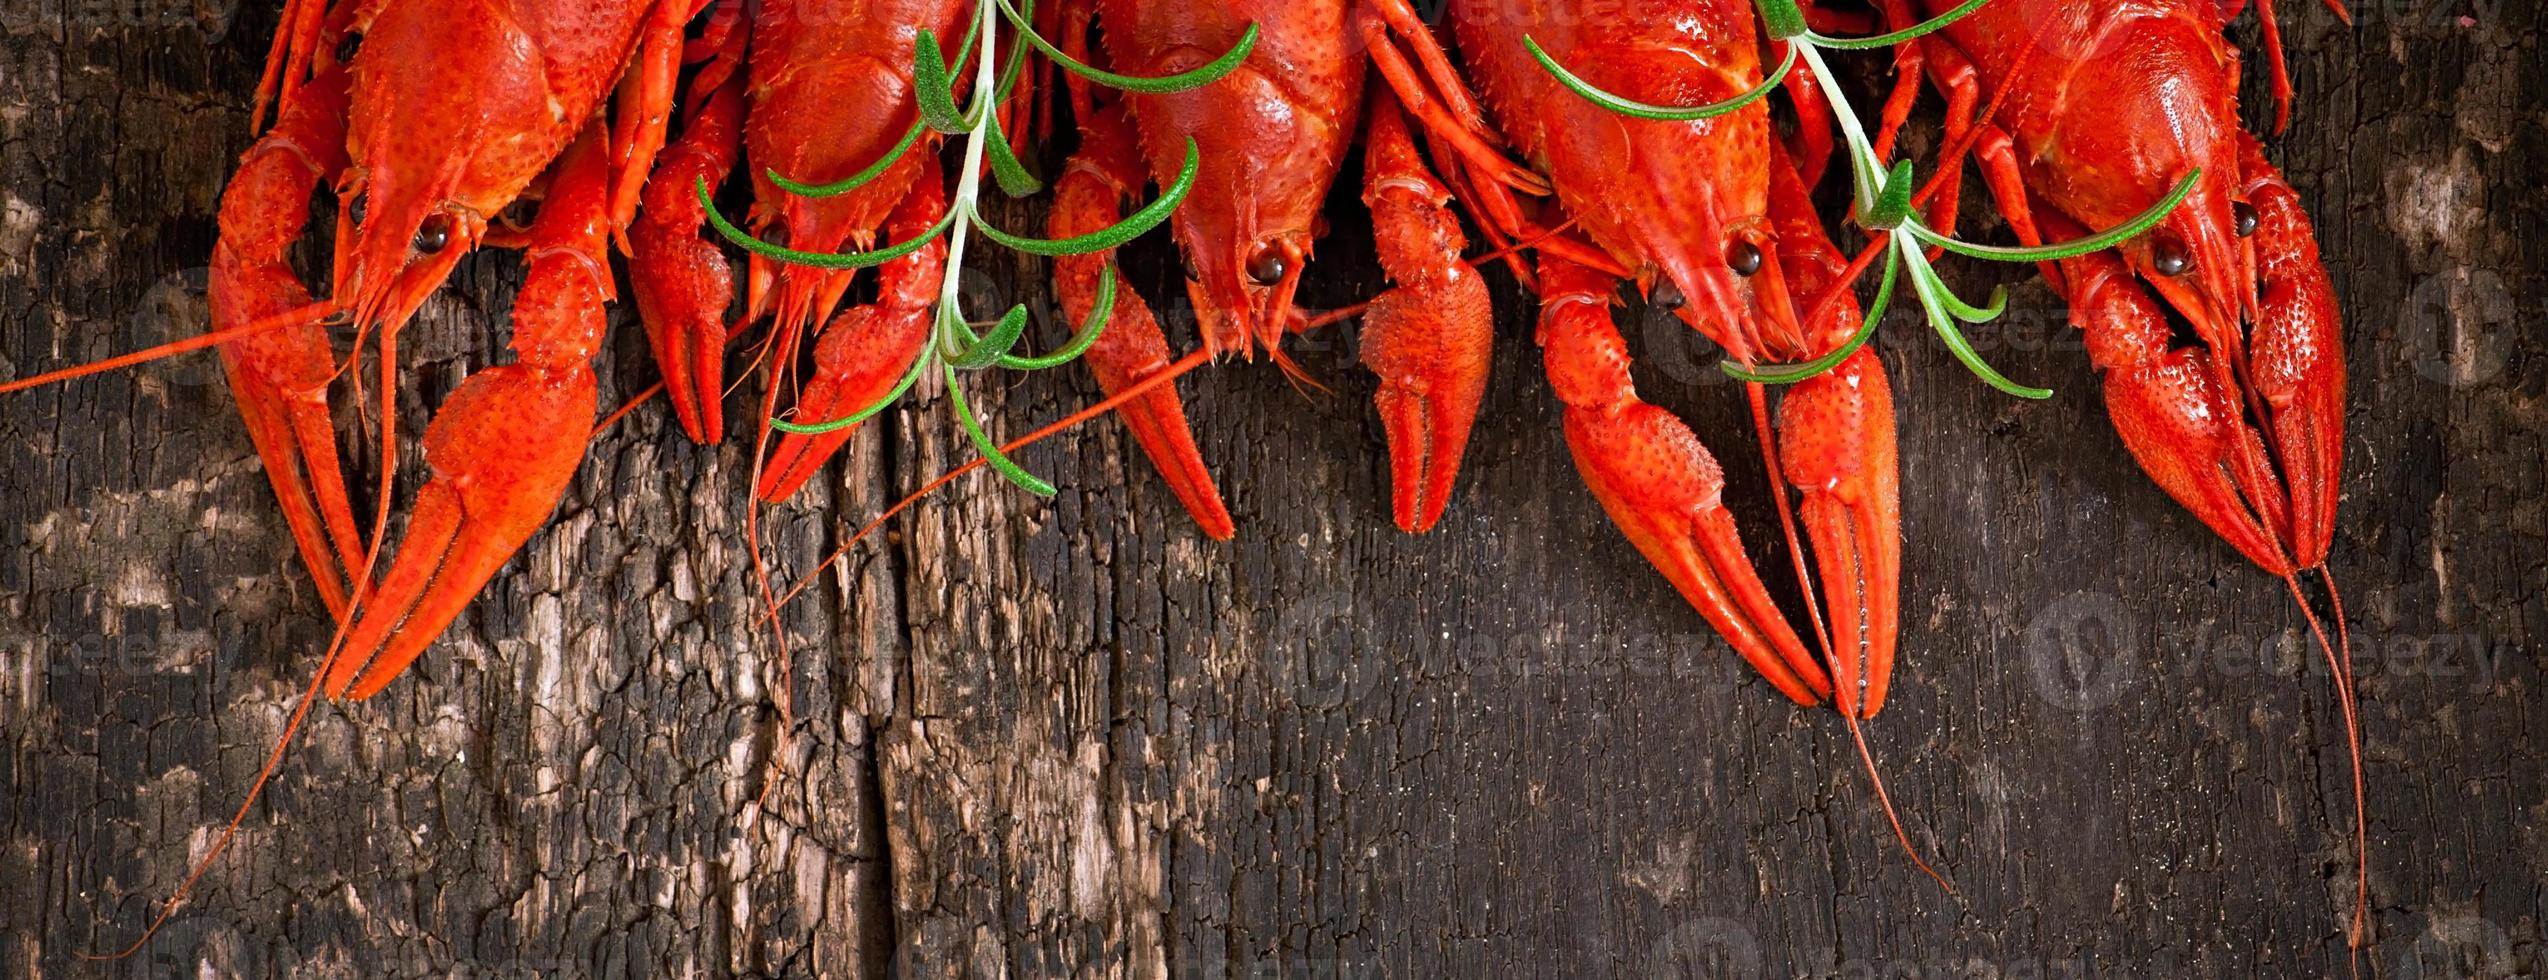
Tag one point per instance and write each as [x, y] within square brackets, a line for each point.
[955, 346]
[1883, 197]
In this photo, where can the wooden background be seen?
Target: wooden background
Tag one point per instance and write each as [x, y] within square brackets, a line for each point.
[1076, 738]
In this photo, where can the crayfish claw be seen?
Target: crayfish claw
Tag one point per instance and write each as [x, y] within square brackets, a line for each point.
[502, 451]
[1836, 443]
[1659, 484]
[1089, 196]
[683, 283]
[280, 380]
[866, 351]
[503, 447]
[859, 359]
[281, 377]
[2296, 356]
[2177, 412]
[1432, 350]
[1431, 340]
[1130, 351]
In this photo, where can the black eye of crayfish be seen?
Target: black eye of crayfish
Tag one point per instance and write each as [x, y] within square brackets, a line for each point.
[434, 235]
[1194, 273]
[1267, 266]
[2246, 216]
[346, 48]
[2170, 257]
[1744, 258]
[362, 205]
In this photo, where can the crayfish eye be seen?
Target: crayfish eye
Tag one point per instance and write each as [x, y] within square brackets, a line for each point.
[1667, 297]
[1267, 266]
[346, 48]
[1744, 258]
[1194, 273]
[2246, 216]
[434, 235]
[2170, 257]
[362, 206]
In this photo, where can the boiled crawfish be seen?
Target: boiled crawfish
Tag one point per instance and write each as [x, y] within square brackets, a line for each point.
[1274, 136]
[438, 125]
[2245, 428]
[432, 124]
[1711, 219]
[826, 93]
[2245, 425]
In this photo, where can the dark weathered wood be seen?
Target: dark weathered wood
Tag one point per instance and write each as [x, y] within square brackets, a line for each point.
[1075, 738]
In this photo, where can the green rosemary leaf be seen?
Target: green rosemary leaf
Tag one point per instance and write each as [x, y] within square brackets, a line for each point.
[1126, 230]
[910, 138]
[1934, 298]
[1089, 330]
[1015, 180]
[820, 260]
[1643, 110]
[934, 89]
[1897, 37]
[909, 378]
[991, 347]
[1205, 75]
[2066, 250]
[990, 451]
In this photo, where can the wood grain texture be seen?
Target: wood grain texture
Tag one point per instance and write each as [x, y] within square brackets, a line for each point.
[1075, 738]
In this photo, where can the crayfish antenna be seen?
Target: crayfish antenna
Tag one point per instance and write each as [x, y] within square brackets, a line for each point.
[1883, 799]
[1841, 456]
[327, 667]
[858, 357]
[1759, 399]
[291, 317]
[2339, 656]
[784, 333]
[1293, 373]
[1131, 393]
[273, 760]
[639, 401]
[2278, 62]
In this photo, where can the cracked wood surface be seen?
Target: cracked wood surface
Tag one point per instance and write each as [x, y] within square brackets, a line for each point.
[1074, 738]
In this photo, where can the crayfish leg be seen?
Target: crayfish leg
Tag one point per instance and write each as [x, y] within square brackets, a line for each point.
[683, 283]
[1088, 197]
[864, 352]
[1658, 482]
[1431, 339]
[281, 377]
[504, 446]
[645, 104]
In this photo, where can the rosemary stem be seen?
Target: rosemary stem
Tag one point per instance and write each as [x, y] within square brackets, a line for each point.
[1869, 171]
[969, 186]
